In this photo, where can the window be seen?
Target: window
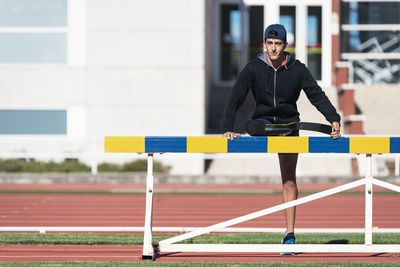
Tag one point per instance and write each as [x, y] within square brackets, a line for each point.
[370, 41]
[33, 48]
[287, 17]
[230, 41]
[256, 31]
[240, 38]
[314, 41]
[33, 121]
[33, 31]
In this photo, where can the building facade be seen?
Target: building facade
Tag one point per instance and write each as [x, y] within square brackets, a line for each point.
[74, 71]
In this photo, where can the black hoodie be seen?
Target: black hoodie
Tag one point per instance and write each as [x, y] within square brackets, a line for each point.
[276, 92]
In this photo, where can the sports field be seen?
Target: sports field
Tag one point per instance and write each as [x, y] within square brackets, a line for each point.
[109, 205]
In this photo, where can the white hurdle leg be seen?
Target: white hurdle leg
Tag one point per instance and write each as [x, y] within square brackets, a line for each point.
[386, 185]
[368, 201]
[148, 252]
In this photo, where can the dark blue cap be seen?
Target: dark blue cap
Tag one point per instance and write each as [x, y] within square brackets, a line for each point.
[279, 29]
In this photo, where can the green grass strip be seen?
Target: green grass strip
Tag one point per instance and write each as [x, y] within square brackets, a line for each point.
[225, 238]
[132, 239]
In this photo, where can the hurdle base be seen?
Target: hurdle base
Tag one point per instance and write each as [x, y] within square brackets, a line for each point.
[148, 257]
[156, 252]
[297, 248]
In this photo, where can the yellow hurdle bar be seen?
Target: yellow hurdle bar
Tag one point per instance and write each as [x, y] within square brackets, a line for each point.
[207, 144]
[370, 145]
[124, 144]
[288, 144]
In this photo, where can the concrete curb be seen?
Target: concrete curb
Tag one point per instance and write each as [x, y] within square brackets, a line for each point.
[162, 178]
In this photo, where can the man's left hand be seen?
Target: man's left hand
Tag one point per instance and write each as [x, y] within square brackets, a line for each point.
[336, 130]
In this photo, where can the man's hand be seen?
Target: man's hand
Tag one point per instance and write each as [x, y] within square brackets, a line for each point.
[336, 130]
[231, 135]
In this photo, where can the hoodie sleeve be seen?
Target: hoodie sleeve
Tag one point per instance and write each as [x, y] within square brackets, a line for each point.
[318, 97]
[236, 99]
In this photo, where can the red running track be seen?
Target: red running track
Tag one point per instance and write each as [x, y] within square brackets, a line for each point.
[183, 210]
[133, 254]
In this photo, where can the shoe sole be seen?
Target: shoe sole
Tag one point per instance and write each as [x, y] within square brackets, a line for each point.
[288, 253]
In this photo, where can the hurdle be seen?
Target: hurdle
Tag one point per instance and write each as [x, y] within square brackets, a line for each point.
[218, 144]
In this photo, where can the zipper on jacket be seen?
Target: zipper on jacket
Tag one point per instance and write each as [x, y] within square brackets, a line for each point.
[274, 93]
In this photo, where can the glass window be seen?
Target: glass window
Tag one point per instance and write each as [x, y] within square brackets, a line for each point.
[230, 41]
[375, 71]
[33, 13]
[33, 47]
[314, 41]
[370, 12]
[287, 17]
[371, 71]
[40, 34]
[232, 52]
[370, 41]
[33, 121]
[256, 31]
[351, 38]
[355, 13]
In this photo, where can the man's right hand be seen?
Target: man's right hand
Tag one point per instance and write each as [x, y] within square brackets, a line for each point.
[336, 130]
[231, 135]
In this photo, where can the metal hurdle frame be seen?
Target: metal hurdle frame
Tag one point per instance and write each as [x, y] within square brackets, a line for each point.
[150, 251]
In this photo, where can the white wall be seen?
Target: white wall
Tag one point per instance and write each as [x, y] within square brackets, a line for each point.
[380, 105]
[142, 74]
[146, 67]
[145, 70]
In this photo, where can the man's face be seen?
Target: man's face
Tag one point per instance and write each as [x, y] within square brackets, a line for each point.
[274, 48]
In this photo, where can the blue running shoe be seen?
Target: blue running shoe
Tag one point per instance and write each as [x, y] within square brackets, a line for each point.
[288, 238]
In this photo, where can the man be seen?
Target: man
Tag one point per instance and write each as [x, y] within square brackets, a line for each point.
[275, 79]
